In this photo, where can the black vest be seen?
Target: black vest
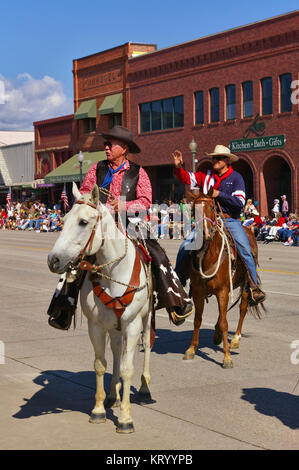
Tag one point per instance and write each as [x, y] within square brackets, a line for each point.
[129, 183]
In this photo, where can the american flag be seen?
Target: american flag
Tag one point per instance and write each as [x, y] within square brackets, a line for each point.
[65, 200]
[8, 199]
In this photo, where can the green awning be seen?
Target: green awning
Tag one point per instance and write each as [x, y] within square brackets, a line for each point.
[112, 104]
[70, 170]
[87, 109]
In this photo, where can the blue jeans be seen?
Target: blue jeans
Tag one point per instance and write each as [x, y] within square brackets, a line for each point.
[242, 243]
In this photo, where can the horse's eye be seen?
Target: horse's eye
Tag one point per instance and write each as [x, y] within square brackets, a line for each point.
[83, 222]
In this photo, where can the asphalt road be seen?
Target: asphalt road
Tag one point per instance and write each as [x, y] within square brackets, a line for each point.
[47, 380]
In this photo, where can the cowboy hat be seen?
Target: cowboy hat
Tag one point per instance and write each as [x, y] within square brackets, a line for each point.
[123, 134]
[222, 151]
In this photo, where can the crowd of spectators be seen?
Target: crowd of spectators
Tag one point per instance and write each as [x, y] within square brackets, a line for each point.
[281, 225]
[31, 215]
[169, 220]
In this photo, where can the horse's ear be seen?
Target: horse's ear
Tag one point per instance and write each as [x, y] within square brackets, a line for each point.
[95, 195]
[76, 193]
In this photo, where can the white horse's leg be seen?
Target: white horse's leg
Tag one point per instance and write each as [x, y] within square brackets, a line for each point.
[131, 333]
[113, 399]
[144, 394]
[98, 336]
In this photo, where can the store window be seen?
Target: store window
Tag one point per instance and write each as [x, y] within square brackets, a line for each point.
[89, 125]
[230, 102]
[285, 92]
[162, 114]
[214, 104]
[199, 111]
[247, 89]
[115, 120]
[267, 107]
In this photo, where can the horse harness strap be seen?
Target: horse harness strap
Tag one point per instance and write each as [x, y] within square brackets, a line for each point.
[91, 238]
[119, 304]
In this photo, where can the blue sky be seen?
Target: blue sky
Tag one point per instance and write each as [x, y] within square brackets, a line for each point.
[40, 39]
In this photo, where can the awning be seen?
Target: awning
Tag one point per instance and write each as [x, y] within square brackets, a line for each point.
[112, 104]
[87, 109]
[70, 170]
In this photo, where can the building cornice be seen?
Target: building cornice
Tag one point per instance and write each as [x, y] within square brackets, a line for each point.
[271, 44]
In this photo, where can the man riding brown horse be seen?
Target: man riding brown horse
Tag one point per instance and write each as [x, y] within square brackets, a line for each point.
[228, 189]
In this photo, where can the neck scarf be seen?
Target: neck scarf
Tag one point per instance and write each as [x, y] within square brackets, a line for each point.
[110, 174]
[218, 179]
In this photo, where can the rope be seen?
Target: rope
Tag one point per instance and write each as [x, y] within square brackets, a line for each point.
[225, 242]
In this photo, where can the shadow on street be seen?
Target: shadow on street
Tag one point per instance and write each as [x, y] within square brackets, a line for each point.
[281, 405]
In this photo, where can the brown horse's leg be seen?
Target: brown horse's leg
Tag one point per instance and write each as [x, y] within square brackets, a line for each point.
[222, 299]
[235, 342]
[198, 298]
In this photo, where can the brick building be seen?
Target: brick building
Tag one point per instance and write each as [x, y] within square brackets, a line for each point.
[231, 88]
[211, 89]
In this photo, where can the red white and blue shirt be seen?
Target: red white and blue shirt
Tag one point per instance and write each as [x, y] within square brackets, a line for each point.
[230, 185]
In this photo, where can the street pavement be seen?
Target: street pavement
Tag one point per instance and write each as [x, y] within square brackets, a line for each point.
[47, 380]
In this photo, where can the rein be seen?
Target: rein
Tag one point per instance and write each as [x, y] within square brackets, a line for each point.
[225, 243]
[118, 304]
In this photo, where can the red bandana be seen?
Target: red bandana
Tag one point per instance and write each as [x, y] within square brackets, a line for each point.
[218, 179]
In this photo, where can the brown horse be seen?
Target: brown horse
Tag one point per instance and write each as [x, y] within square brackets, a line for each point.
[210, 275]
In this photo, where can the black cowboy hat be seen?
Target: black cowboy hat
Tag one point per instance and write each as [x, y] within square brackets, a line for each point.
[123, 134]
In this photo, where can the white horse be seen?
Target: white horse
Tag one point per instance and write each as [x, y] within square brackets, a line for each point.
[89, 227]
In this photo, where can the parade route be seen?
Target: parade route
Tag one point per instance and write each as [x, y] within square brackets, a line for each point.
[47, 380]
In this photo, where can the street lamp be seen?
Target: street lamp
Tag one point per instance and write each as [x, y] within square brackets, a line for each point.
[192, 147]
[80, 160]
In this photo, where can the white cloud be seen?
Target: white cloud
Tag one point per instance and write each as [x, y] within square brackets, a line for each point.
[27, 99]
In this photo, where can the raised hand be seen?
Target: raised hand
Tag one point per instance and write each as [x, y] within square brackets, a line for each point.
[177, 158]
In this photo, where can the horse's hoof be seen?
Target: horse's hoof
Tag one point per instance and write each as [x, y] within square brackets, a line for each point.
[125, 428]
[112, 403]
[217, 338]
[188, 356]
[234, 344]
[228, 364]
[144, 397]
[97, 418]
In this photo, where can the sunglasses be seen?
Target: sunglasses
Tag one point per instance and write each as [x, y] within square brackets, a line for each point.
[218, 158]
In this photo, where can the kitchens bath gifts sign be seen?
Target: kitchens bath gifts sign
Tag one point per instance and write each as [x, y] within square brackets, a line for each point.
[258, 143]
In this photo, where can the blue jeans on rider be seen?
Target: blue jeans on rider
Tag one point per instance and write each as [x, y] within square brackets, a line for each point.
[241, 241]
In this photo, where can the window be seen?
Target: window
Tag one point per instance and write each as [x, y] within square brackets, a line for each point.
[247, 89]
[285, 92]
[162, 114]
[230, 101]
[115, 120]
[199, 115]
[214, 104]
[266, 95]
[89, 125]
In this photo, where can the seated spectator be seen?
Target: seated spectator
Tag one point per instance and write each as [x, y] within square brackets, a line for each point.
[280, 223]
[248, 209]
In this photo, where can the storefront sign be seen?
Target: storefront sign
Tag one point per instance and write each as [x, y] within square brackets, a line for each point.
[100, 79]
[258, 143]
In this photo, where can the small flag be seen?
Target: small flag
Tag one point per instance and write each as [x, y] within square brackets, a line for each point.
[65, 200]
[8, 199]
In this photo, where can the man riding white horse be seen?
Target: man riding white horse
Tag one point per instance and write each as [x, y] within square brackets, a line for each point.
[229, 190]
[126, 190]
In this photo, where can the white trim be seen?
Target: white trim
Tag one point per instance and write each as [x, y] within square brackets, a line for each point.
[193, 182]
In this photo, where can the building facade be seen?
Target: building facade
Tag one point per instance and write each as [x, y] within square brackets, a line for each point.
[233, 88]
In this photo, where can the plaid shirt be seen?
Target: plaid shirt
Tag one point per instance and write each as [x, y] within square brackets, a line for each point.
[143, 188]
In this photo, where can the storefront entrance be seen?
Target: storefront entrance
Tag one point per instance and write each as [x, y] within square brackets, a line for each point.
[277, 177]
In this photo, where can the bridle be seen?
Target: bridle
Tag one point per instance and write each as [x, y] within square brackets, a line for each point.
[89, 243]
[208, 219]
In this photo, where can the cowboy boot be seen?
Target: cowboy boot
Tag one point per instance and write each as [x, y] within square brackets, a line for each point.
[256, 294]
[63, 306]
